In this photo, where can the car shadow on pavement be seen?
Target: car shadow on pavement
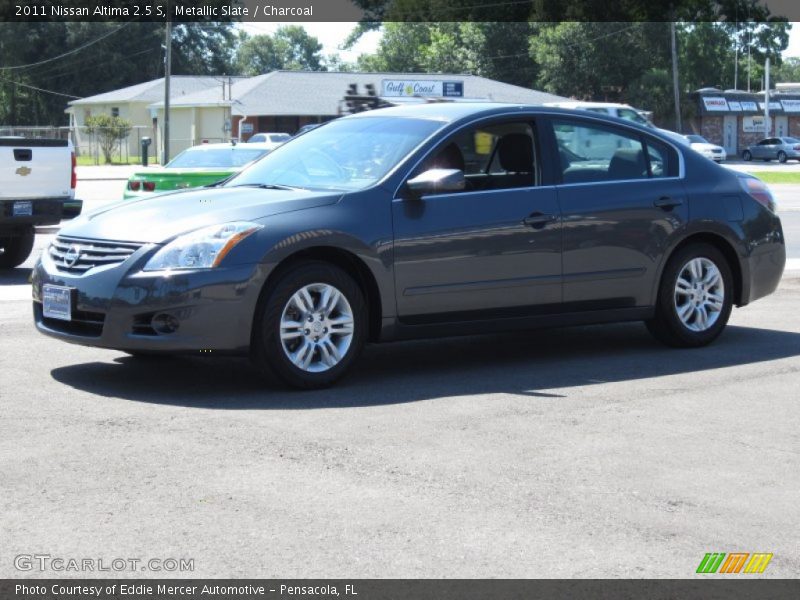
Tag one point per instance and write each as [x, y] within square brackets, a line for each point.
[542, 364]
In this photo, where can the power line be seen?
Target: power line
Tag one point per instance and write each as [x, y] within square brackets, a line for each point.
[38, 89]
[41, 62]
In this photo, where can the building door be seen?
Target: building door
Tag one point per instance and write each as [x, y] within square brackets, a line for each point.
[729, 135]
[781, 126]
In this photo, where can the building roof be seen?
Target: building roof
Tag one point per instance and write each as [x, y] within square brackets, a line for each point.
[319, 93]
[153, 91]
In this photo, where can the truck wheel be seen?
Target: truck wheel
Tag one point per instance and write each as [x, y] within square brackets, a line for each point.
[16, 249]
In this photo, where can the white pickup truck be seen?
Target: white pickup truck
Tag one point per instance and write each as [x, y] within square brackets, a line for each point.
[37, 185]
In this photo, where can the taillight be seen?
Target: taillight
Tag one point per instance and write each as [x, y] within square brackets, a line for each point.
[134, 186]
[148, 186]
[74, 179]
[759, 192]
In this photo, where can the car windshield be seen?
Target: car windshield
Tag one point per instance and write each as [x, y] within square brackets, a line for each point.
[697, 139]
[279, 137]
[205, 158]
[347, 154]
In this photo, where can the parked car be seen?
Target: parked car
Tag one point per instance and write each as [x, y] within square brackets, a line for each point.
[194, 167]
[700, 144]
[273, 140]
[37, 187]
[775, 148]
[376, 228]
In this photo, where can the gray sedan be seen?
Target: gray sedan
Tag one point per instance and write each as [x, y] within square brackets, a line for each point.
[780, 148]
[419, 221]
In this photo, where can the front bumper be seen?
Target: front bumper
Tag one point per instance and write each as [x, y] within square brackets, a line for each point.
[113, 307]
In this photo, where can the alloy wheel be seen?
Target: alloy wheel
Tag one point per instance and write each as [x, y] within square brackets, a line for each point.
[699, 294]
[317, 327]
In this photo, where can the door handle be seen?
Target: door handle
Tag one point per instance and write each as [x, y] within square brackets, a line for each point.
[538, 220]
[667, 203]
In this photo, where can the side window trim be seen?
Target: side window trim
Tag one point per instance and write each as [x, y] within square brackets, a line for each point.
[549, 138]
[533, 121]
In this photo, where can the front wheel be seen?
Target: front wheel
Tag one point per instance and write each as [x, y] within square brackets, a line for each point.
[311, 327]
[782, 156]
[695, 297]
[16, 248]
[746, 155]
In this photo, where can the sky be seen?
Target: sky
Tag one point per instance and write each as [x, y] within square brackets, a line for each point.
[331, 35]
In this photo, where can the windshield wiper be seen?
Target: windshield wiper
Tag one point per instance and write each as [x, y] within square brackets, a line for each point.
[269, 186]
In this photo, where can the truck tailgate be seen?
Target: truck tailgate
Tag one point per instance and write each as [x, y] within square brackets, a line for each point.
[31, 169]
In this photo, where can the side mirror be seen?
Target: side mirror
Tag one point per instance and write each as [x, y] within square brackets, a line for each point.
[437, 180]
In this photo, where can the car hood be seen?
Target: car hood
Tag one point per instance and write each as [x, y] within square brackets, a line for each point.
[160, 218]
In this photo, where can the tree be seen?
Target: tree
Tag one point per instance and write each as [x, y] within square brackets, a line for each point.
[290, 48]
[109, 131]
[126, 54]
[486, 49]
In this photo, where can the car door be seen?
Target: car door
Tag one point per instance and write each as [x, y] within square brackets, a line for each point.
[771, 148]
[619, 213]
[491, 249]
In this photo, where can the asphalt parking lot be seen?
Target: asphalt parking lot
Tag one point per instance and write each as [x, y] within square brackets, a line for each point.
[582, 452]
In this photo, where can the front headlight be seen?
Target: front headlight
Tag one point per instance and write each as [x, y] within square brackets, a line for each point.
[201, 249]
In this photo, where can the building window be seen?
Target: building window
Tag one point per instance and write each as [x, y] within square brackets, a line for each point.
[115, 112]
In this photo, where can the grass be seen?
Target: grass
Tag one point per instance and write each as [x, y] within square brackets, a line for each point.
[777, 177]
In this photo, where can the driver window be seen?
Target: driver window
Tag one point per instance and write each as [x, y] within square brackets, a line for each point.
[493, 157]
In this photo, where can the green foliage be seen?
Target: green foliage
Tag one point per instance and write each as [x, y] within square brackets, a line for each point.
[131, 54]
[494, 50]
[290, 48]
[109, 131]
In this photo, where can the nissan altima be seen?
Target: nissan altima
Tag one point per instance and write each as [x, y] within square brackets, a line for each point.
[419, 221]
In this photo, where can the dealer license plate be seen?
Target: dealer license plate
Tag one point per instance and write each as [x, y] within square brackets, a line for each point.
[57, 302]
[23, 209]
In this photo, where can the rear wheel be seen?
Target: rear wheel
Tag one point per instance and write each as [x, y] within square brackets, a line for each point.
[746, 155]
[16, 248]
[695, 297]
[782, 156]
[311, 327]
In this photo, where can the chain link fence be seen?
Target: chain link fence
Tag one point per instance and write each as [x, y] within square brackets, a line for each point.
[88, 147]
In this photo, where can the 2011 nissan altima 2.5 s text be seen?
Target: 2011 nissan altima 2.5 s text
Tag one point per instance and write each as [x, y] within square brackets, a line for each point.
[419, 221]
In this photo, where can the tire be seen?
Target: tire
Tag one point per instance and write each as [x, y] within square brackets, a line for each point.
[338, 330]
[690, 332]
[746, 156]
[16, 249]
[782, 156]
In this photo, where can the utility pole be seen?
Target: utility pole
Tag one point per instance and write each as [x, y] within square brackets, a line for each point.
[736, 61]
[167, 74]
[767, 128]
[675, 86]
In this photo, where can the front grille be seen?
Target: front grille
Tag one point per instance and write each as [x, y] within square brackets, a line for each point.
[85, 323]
[76, 256]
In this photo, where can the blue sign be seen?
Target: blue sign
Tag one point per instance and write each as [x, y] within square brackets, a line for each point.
[453, 89]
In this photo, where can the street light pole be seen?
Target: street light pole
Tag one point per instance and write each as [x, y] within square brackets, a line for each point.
[167, 74]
